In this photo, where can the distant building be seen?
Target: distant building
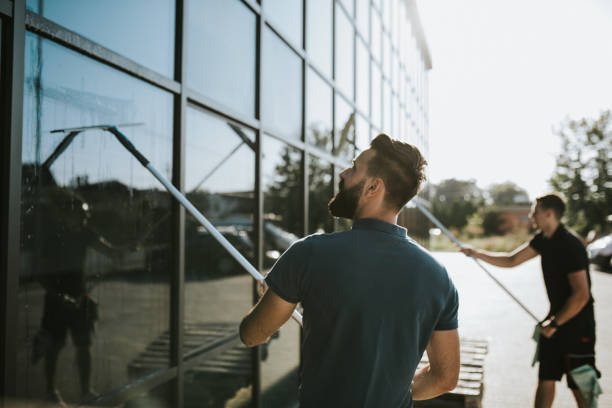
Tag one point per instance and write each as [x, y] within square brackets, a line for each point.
[251, 108]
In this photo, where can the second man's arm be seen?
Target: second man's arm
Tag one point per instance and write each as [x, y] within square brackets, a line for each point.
[503, 259]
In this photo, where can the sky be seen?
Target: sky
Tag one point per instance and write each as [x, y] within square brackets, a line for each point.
[505, 75]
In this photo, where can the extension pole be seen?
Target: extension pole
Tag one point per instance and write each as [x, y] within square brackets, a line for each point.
[188, 206]
[449, 234]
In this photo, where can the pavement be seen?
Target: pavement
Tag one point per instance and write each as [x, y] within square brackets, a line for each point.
[487, 312]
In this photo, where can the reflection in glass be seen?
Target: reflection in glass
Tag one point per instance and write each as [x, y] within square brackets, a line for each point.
[221, 52]
[318, 112]
[363, 78]
[376, 95]
[344, 53]
[362, 134]
[95, 245]
[349, 6]
[119, 25]
[396, 118]
[319, 34]
[376, 35]
[363, 18]
[320, 191]
[283, 224]
[287, 16]
[282, 87]
[220, 182]
[345, 129]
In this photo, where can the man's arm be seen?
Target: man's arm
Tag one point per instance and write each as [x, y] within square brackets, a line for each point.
[442, 372]
[503, 259]
[265, 318]
[575, 302]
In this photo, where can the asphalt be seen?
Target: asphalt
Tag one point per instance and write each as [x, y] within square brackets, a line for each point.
[489, 313]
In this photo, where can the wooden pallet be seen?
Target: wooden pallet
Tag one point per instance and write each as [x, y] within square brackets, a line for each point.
[469, 389]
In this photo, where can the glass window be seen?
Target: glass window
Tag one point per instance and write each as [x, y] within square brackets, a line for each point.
[362, 133]
[387, 56]
[96, 243]
[282, 180]
[319, 112]
[220, 182]
[376, 95]
[344, 54]
[224, 30]
[387, 14]
[363, 18]
[320, 191]
[376, 34]
[396, 117]
[395, 72]
[386, 107]
[119, 25]
[376, 3]
[398, 20]
[345, 129]
[287, 16]
[349, 6]
[363, 78]
[282, 87]
[319, 40]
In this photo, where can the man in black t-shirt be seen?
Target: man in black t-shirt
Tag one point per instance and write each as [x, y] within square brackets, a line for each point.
[567, 336]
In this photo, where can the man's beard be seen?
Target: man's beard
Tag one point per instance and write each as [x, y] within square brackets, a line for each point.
[344, 204]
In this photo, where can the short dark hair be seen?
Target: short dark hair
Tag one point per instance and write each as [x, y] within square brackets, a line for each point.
[400, 165]
[552, 201]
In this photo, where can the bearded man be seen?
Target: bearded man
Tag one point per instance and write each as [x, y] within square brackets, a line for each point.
[373, 299]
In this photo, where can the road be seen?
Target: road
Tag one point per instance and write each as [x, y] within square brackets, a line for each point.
[487, 312]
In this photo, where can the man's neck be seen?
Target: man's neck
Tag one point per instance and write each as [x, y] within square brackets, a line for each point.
[550, 229]
[388, 217]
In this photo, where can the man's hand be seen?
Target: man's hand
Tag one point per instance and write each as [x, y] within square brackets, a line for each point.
[468, 251]
[262, 286]
[547, 330]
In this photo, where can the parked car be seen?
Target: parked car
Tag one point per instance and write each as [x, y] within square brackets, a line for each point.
[600, 252]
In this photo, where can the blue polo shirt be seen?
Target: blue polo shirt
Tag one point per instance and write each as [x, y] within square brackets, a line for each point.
[372, 298]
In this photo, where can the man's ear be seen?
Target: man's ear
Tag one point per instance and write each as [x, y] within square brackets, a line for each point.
[374, 187]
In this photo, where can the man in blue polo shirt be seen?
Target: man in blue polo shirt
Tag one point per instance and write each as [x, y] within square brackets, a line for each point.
[373, 299]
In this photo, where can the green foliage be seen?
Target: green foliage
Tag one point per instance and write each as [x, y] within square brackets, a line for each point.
[583, 173]
[491, 221]
[508, 193]
[454, 201]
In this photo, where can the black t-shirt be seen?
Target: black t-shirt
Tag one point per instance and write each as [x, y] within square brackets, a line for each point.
[563, 253]
[372, 299]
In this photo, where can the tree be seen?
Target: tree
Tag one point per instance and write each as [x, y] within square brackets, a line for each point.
[507, 193]
[583, 172]
[454, 201]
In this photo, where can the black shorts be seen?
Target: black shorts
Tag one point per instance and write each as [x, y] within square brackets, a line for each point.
[65, 313]
[560, 356]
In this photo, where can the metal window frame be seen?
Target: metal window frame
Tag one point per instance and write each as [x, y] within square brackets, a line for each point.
[17, 20]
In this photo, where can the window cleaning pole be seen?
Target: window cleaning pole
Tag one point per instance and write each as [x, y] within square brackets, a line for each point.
[184, 201]
[449, 234]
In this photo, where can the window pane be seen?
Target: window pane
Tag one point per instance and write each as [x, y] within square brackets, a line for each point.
[220, 182]
[363, 78]
[387, 14]
[319, 112]
[96, 243]
[376, 35]
[363, 19]
[344, 54]
[387, 56]
[282, 87]
[283, 224]
[349, 6]
[345, 129]
[376, 95]
[119, 25]
[362, 134]
[396, 117]
[287, 16]
[386, 128]
[221, 52]
[320, 192]
[319, 44]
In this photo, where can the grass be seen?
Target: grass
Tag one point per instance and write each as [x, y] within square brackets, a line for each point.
[495, 243]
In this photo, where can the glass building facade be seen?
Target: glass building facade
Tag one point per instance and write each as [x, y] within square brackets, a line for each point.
[112, 294]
